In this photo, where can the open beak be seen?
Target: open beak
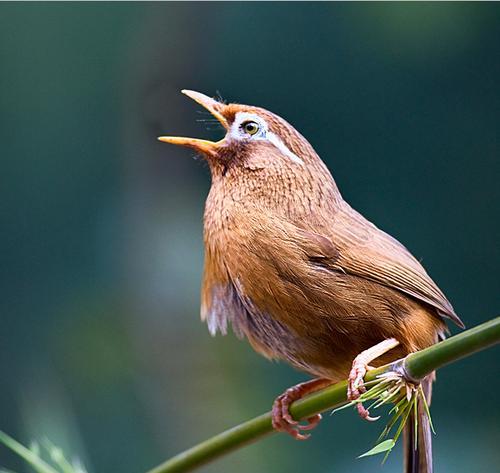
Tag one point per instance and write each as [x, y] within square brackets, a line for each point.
[202, 146]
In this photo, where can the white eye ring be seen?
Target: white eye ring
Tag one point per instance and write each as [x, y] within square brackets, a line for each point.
[250, 127]
[261, 133]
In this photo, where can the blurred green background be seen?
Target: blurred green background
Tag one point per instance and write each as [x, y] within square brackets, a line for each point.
[101, 347]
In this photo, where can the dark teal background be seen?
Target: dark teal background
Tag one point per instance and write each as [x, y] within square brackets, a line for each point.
[101, 347]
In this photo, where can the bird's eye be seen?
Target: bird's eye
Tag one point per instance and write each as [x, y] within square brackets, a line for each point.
[250, 127]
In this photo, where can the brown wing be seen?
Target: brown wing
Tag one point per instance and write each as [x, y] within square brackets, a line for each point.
[368, 252]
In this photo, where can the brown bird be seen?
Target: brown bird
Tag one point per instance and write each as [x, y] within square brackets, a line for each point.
[299, 273]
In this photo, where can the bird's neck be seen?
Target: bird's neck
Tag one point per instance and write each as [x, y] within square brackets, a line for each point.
[304, 195]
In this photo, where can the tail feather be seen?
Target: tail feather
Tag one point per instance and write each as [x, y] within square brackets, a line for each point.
[419, 459]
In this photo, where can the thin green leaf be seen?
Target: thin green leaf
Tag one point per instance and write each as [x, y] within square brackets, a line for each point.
[404, 418]
[390, 425]
[405, 413]
[35, 448]
[379, 448]
[341, 408]
[26, 454]
[415, 421]
[391, 395]
[427, 410]
[57, 456]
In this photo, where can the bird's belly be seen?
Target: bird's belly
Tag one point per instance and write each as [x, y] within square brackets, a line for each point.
[327, 354]
[323, 338]
[318, 322]
[321, 350]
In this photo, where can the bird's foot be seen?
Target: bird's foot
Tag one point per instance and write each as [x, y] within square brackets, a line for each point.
[281, 417]
[356, 386]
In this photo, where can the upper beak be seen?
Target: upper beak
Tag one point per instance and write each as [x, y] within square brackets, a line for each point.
[203, 146]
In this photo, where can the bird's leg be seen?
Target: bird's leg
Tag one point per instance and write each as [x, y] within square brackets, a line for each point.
[355, 384]
[282, 419]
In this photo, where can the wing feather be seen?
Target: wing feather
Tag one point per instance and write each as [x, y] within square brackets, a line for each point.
[366, 251]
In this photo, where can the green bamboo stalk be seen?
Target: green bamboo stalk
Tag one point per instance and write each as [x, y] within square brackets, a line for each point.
[452, 349]
[417, 365]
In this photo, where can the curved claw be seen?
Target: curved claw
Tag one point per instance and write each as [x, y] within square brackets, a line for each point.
[312, 422]
[365, 413]
[284, 422]
[281, 417]
[356, 387]
[285, 412]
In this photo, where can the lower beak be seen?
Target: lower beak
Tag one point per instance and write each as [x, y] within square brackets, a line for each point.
[203, 146]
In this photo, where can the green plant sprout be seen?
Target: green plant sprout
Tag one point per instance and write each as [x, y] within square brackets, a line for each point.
[390, 388]
[56, 462]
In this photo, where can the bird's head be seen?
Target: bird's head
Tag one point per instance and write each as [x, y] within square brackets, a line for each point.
[254, 138]
[262, 160]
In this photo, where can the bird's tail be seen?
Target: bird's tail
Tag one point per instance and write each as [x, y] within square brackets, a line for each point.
[418, 455]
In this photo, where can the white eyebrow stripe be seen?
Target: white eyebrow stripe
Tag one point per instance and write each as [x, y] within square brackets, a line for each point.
[267, 135]
[275, 140]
